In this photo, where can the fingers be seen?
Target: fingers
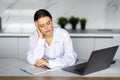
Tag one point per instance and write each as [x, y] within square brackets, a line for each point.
[37, 28]
[40, 34]
[37, 63]
[41, 62]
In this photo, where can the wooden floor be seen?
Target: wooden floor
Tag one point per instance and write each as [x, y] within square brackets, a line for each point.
[59, 78]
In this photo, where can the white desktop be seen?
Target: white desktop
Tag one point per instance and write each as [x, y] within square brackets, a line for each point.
[11, 67]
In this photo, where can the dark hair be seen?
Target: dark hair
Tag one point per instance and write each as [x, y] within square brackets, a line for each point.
[41, 13]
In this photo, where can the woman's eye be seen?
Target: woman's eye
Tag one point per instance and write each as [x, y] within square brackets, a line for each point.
[41, 26]
[48, 23]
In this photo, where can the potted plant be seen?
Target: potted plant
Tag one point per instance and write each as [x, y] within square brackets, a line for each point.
[73, 21]
[62, 21]
[83, 22]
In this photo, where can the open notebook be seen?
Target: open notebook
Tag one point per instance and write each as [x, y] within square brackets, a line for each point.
[32, 70]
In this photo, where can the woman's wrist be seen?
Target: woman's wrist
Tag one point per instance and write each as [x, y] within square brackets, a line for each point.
[40, 36]
[47, 63]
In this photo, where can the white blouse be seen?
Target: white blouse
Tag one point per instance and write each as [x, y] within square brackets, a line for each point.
[60, 53]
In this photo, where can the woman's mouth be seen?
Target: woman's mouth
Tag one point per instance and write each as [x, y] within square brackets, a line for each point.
[47, 31]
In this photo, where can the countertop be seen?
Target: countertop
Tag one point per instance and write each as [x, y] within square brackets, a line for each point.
[95, 33]
[73, 33]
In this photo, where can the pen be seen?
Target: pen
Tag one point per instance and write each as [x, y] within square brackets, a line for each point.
[45, 67]
[26, 71]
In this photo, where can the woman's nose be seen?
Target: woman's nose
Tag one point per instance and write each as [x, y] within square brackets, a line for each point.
[46, 27]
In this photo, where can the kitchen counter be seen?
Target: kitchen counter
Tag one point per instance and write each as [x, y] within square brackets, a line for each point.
[15, 34]
[73, 33]
[94, 33]
[98, 31]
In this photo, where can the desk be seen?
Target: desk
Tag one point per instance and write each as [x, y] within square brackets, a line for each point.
[59, 78]
[10, 67]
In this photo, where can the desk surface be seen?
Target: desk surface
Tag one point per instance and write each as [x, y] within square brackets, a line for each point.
[59, 78]
[10, 67]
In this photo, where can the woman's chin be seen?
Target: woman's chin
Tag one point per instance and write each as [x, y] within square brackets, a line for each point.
[48, 34]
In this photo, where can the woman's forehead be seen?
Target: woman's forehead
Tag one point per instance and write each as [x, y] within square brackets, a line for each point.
[44, 19]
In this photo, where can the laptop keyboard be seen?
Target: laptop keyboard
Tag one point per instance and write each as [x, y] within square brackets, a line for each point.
[80, 70]
[80, 67]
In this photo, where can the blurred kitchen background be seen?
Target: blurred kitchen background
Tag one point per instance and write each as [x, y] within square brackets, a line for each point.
[17, 15]
[16, 21]
[102, 27]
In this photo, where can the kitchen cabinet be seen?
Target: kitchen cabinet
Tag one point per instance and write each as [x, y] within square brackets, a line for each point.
[8, 47]
[16, 45]
[23, 47]
[116, 41]
[101, 43]
[83, 47]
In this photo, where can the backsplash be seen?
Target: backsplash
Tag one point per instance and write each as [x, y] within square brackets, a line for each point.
[112, 14]
[17, 15]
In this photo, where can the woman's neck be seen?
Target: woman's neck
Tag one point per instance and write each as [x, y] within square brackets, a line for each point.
[49, 36]
[49, 39]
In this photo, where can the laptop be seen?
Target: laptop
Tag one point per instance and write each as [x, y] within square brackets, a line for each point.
[99, 60]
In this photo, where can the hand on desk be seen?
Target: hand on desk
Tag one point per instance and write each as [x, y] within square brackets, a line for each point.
[41, 62]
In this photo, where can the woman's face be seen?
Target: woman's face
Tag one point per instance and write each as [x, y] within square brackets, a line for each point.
[45, 25]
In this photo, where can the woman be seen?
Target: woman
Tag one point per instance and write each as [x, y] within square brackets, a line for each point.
[51, 47]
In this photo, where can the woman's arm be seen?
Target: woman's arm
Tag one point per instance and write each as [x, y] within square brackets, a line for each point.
[36, 46]
[36, 49]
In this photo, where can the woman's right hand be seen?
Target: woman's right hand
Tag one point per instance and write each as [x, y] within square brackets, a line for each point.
[41, 62]
[40, 35]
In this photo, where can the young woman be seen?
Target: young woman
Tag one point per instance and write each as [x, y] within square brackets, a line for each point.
[50, 46]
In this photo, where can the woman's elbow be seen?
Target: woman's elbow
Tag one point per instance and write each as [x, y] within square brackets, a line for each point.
[74, 59]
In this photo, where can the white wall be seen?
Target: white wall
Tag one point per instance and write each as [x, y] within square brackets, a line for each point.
[99, 13]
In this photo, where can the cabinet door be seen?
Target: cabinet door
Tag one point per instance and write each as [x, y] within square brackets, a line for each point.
[8, 47]
[23, 48]
[116, 41]
[83, 46]
[101, 43]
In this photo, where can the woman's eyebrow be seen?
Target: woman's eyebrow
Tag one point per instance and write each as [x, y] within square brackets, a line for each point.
[48, 21]
[41, 25]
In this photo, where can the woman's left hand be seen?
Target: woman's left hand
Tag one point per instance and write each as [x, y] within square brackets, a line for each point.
[41, 62]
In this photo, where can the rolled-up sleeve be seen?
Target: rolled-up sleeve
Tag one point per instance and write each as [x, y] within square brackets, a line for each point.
[36, 49]
[68, 58]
